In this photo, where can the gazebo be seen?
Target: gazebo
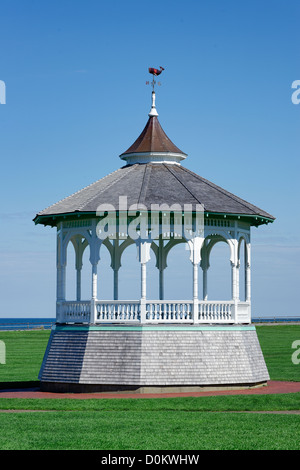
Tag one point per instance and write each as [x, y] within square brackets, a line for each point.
[154, 203]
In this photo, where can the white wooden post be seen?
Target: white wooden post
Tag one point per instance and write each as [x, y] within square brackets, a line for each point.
[205, 295]
[233, 280]
[116, 254]
[161, 264]
[116, 284]
[195, 245]
[61, 274]
[161, 284]
[61, 282]
[234, 277]
[143, 281]
[248, 273]
[94, 281]
[204, 266]
[78, 284]
[238, 280]
[95, 245]
[143, 255]
[79, 246]
[195, 281]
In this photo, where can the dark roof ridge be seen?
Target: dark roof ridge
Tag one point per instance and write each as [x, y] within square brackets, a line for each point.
[179, 180]
[145, 182]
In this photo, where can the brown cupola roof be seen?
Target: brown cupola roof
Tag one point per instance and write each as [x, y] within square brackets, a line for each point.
[153, 145]
[153, 139]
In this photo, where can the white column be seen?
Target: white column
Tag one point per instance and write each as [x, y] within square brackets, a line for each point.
[233, 281]
[93, 314]
[238, 280]
[143, 281]
[94, 281]
[78, 284]
[60, 292]
[248, 282]
[60, 274]
[195, 246]
[95, 244]
[143, 255]
[205, 266]
[161, 265]
[79, 246]
[204, 271]
[195, 281]
[161, 284]
[248, 272]
[116, 284]
[61, 282]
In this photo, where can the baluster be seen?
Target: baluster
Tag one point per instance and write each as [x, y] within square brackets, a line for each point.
[133, 311]
[149, 312]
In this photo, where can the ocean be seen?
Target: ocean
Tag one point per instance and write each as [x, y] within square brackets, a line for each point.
[46, 323]
[25, 323]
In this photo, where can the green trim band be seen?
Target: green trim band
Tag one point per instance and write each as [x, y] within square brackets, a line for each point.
[153, 328]
[55, 218]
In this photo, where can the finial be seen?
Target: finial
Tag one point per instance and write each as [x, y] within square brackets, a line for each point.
[154, 72]
[153, 111]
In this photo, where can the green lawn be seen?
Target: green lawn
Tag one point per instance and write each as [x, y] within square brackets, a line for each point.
[276, 343]
[24, 354]
[148, 430]
[151, 424]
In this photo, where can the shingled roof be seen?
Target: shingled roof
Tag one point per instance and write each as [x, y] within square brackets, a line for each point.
[153, 175]
[149, 184]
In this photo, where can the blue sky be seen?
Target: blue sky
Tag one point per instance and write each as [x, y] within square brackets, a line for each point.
[76, 98]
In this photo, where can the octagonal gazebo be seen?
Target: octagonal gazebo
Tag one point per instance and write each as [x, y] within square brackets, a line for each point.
[154, 203]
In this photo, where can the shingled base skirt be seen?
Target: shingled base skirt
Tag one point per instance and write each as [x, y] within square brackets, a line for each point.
[156, 358]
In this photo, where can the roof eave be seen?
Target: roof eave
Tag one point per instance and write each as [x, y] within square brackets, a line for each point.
[53, 219]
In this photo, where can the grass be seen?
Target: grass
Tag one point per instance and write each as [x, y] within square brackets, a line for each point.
[24, 354]
[148, 430]
[219, 422]
[276, 343]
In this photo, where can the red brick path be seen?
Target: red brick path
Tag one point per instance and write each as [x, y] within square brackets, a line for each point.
[271, 388]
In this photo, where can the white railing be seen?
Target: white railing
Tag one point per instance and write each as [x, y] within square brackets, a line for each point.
[154, 311]
[215, 312]
[158, 311]
[117, 311]
[75, 311]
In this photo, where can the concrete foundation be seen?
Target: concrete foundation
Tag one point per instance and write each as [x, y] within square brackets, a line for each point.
[154, 358]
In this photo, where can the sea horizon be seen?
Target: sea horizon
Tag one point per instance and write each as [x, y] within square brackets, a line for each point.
[29, 323]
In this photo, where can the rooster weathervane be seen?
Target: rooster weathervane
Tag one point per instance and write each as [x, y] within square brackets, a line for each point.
[155, 73]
